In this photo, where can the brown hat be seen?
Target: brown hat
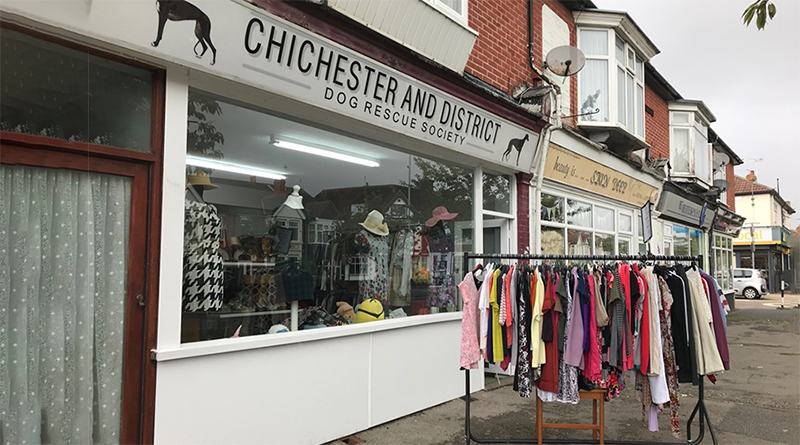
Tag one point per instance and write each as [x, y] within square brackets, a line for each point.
[440, 213]
[200, 179]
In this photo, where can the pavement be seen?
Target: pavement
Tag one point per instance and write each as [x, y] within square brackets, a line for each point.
[757, 402]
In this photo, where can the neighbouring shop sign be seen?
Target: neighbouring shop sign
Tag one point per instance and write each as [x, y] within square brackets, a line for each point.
[681, 209]
[248, 44]
[570, 168]
[761, 235]
[727, 222]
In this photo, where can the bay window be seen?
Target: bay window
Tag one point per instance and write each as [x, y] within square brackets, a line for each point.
[690, 151]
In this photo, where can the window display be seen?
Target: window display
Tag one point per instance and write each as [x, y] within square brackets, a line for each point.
[291, 227]
[579, 227]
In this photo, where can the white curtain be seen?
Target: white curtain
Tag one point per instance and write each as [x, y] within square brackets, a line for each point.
[63, 258]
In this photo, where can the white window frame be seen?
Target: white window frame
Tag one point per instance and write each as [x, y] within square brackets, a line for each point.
[723, 273]
[694, 157]
[461, 18]
[594, 203]
[612, 65]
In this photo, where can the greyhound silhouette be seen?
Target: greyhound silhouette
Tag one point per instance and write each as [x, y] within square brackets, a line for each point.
[179, 10]
[515, 144]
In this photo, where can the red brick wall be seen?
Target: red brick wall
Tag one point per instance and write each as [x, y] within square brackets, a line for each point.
[500, 54]
[657, 125]
[523, 212]
[731, 195]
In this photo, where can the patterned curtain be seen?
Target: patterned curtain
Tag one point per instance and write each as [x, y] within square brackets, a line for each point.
[63, 262]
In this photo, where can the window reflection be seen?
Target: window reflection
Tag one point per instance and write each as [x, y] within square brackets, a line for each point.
[579, 213]
[321, 234]
[552, 241]
[604, 244]
[552, 208]
[580, 242]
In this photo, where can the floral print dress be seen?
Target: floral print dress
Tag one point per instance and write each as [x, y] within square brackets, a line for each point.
[374, 259]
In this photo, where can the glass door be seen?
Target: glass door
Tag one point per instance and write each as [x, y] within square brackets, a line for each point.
[73, 236]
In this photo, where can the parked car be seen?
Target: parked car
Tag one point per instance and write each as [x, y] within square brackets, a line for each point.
[749, 283]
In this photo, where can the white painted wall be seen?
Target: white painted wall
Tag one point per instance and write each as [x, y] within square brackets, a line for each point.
[761, 214]
[555, 32]
[310, 392]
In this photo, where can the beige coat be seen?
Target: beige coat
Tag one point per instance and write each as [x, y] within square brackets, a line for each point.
[708, 358]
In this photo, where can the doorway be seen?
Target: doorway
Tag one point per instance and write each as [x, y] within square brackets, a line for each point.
[73, 249]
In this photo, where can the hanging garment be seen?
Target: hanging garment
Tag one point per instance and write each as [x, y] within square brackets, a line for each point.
[657, 378]
[497, 333]
[203, 277]
[669, 354]
[470, 349]
[523, 377]
[514, 316]
[708, 359]
[567, 374]
[374, 259]
[682, 326]
[538, 353]
[592, 358]
[616, 304]
[573, 350]
[601, 316]
[547, 385]
[483, 305]
[719, 321]
[401, 269]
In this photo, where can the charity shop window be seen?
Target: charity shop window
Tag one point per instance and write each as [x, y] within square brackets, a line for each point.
[291, 227]
[59, 92]
[576, 226]
[690, 152]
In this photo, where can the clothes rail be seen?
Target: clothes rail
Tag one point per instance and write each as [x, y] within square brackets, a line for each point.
[699, 408]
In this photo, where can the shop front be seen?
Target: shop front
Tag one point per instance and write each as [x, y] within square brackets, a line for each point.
[275, 223]
[771, 245]
[726, 228]
[589, 200]
[685, 220]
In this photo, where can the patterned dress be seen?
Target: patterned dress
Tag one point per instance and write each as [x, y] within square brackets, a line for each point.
[669, 355]
[567, 374]
[202, 265]
[374, 259]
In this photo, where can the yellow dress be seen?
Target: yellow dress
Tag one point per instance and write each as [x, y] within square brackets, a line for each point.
[497, 332]
[538, 356]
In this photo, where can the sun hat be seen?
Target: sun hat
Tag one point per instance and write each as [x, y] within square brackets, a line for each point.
[201, 179]
[440, 213]
[375, 223]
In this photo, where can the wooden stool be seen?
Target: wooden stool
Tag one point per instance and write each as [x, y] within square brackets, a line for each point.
[595, 396]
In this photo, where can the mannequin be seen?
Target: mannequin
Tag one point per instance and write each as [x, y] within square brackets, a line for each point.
[202, 265]
[441, 245]
[373, 252]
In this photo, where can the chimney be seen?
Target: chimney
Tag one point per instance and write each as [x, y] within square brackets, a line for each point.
[751, 176]
[279, 185]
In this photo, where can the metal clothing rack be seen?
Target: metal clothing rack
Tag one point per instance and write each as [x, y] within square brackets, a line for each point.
[699, 408]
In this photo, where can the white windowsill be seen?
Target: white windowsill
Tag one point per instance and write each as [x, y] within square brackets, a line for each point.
[226, 345]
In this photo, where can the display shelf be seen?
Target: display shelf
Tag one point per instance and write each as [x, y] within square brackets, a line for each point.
[252, 314]
[247, 264]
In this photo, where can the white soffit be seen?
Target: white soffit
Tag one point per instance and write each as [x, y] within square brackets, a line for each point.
[417, 25]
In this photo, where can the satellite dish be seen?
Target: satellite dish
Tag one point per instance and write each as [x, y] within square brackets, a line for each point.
[565, 60]
[720, 159]
[721, 184]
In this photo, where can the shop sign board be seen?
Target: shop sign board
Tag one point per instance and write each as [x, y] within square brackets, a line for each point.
[727, 222]
[570, 168]
[761, 235]
[680, 208]
[647, 222]
[248, 44]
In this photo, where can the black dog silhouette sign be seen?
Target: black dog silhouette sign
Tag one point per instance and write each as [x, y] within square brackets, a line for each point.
[515, 144]
[180, 10]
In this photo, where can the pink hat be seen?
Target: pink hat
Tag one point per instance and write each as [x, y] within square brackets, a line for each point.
[440, 213]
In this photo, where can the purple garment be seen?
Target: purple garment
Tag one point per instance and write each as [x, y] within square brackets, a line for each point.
[583, 292]
[719, 327]
[573, 351]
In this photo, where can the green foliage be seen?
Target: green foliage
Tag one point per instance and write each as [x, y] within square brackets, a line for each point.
[202, 136]
[761, 10]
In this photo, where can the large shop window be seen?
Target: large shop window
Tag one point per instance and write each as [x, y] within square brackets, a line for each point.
[687, 241]
[578, 227]
[50, 90]
[290, 226]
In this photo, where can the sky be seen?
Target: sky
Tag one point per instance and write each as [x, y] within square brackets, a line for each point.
[750, 79]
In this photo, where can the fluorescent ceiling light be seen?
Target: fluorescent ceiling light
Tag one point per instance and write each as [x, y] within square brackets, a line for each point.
[324, 153]
[233, 168]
